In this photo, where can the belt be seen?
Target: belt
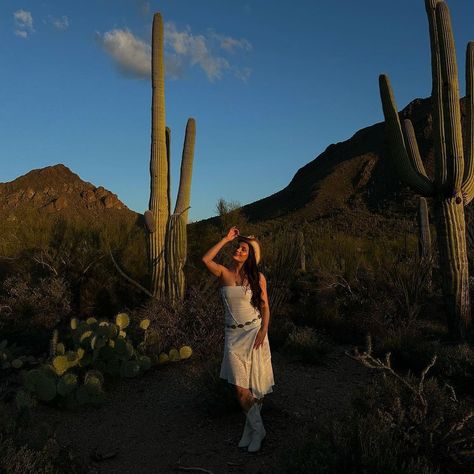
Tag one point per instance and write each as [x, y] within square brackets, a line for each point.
[235, 326]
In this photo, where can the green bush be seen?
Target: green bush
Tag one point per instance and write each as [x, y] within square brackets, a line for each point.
[397, 425]
[304, 344]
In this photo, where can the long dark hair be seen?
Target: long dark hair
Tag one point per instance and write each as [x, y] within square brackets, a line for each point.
[251, 271]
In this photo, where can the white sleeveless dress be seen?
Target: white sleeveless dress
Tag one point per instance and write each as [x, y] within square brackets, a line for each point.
[243, 365]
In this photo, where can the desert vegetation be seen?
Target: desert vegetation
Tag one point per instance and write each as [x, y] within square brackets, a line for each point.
[89, 305]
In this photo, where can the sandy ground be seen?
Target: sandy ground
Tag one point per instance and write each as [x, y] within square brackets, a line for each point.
[165, 421]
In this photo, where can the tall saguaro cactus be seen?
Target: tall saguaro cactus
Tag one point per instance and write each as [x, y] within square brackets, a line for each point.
[453, 185]
[167, 239]
[176, 238]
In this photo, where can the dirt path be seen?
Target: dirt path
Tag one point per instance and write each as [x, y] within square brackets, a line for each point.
[164, 420]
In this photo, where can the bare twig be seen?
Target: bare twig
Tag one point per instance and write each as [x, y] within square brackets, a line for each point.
[131, 280]
[199, 469]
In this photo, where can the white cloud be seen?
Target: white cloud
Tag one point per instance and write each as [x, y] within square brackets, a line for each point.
[183, 49]
[61, 23]
[243, 73]
[23, 23]
[200, 50]
[131, 55]
[229, 44]
[21, 33]
[194, 49]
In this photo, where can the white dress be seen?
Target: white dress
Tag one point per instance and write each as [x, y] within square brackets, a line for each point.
[243, 365]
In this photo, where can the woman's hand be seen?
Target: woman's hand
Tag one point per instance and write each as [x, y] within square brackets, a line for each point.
[260, 338]
[232, 234]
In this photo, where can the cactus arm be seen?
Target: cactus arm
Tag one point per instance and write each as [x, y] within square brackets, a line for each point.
[158, 205]
[468, 184]
[168, 159]
[412, 148]
[424, 239]
[407, 173]
[176, 249]
[451, 108]
[149, 221]
[436, 96]
[184, 190]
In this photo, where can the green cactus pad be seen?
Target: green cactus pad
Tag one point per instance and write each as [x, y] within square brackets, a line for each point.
[98, 342]
[67, 384]
[185, 352]
[130, 368]
[24, 400]
[107, 353]
[42, 383]
[17, 363]
[91, 321]
[71, 356]
[113, 331]
[144, 324]
[93, 374]
[61, 364]
[85, 335]
[113, 367]
[144, 362]
[122, 320]
[163, 357]
[121, 346]
[173, 355]
[85, 360]
[93, 386]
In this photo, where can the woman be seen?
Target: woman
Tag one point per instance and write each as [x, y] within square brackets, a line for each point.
[247, 359]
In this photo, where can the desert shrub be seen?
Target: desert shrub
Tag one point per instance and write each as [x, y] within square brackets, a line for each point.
[197, 321]
[78, 253]
[410, 281]
[30, 309]
[27, 447]
[220, 394]
[397, 425]
[304, 344]
[407, 345]
[281, 326]
[456, 364]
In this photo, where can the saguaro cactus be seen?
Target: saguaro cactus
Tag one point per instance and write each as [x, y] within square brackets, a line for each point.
[176, 238]
[424, 234]
[453, 184]
[165, 260]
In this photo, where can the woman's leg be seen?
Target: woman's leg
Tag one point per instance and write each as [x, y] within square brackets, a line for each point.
[245, 398]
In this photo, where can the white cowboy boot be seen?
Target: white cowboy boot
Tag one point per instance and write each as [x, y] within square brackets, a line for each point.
[248, 431]
[259, 432]
[247, 434]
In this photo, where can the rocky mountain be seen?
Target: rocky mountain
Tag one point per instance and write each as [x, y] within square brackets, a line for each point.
[56, 189]
[350, 185]
[350, 177]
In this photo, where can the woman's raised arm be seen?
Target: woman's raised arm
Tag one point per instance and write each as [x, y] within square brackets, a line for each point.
[208, 258]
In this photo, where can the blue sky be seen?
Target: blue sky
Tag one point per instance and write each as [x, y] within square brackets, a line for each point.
[271, 84]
